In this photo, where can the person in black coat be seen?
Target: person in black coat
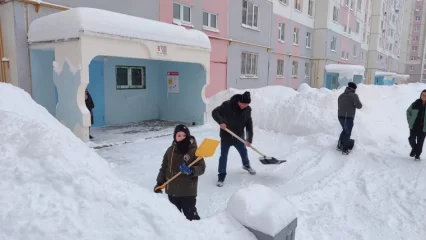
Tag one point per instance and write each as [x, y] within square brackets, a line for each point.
[90, 105]
[234, 114]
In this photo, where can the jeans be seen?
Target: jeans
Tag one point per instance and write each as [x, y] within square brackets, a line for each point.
[416, 141]
[347, 125]
[224, 150]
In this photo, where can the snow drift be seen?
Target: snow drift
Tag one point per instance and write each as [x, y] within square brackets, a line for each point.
[52, 186]
[268, 214]
[310, 111]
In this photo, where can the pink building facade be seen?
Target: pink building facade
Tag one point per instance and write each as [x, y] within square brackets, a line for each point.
[211, 17]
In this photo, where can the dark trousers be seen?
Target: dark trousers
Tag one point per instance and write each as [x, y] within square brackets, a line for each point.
[347, 125]
[223, 159]
[186, 205]
[416, 141]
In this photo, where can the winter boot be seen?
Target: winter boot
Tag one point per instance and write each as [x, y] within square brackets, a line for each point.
[220, 180]
[345, 151]
[249, 169]
[417, 158]
[412, 153]
[339, 146]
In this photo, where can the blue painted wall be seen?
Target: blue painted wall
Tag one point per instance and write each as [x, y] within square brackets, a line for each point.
[44, 90]
[154, 102]
[187, 105]
[96, 89]
[131, 105]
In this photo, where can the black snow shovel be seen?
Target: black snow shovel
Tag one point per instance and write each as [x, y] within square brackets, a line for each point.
[263, 159]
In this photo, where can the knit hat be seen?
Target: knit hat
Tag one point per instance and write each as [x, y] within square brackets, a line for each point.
[352, 85]
[245, 98]
[181, 128]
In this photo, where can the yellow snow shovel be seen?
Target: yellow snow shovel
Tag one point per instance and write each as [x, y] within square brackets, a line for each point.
[206, 149]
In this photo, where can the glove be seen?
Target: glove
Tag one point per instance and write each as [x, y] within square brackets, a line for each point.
[184, 169]
[158, 190]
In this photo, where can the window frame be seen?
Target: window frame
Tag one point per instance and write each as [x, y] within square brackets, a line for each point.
[129, 77]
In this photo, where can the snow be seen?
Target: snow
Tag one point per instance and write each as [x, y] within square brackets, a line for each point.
[339, 68]
[54, 187]
[261, 209]
[5, 59]
[78, 21]
[379, 73]
[376, 192]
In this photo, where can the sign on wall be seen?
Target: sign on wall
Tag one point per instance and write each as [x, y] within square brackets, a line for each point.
[161, 50]
[173, 82]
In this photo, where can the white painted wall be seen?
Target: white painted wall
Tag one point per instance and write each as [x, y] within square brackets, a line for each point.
[7, 21]
[334, 26]
[290, 12]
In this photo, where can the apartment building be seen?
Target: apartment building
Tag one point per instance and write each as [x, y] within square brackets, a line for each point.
[292, 42]
[255, 43]
[413, 54]
[385, 37]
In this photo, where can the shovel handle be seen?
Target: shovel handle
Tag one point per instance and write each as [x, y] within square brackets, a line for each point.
[244, 141]
[177, 174]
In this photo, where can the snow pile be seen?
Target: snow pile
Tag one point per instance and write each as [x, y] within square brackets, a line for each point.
[260, 208]
[76, 21]
[311, 111]
[258, 100]
[54, 187]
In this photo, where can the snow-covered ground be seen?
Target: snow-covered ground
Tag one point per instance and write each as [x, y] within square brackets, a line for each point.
[53, 186]
[376, 192]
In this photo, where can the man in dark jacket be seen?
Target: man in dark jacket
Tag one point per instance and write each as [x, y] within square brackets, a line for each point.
[90, 105]
[416, 123]
[348, 102]
[234, 114]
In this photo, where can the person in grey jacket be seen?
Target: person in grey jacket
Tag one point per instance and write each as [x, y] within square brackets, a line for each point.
[348, 102]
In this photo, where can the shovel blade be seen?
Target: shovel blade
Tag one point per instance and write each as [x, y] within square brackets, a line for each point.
[270, 160]
[207, 148]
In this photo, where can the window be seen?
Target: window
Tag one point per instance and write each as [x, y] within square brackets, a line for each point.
[390, 47]
[412, 68]
[347, 3]
[294, 68]
[415, 38]
[350, 31]
[352, 4]
[357, 27]
[416, 28]
[297, 5]
[285, 2]
[129, 77]
[414, 48]
[347, 56]
[310, 8]
[308, 39]
[307, 70]
[359, 5]
[296, 36]
[333, 43]
[181, 13]
[342, 55]
[362, 56]
[250, 14]
[210, 20]
[363, 37]
[355, 53]
[280, 68]
[281, 31]
[345, 28]
[249, 64]
[335, 13]
[417, 18]
[412, 58]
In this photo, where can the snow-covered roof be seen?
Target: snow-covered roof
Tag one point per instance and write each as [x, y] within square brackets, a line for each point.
[379, 73]
[339, 68]
[73, 23]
